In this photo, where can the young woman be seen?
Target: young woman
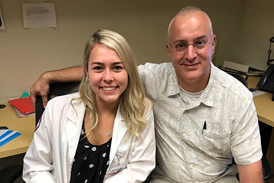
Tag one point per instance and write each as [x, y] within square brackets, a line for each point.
[104, 132]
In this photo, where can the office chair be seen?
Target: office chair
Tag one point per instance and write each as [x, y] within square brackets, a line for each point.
[58, 89]
[239, 77]
[10, 173]
[267, 169]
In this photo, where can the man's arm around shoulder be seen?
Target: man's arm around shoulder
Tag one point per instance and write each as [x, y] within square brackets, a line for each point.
[41, 86]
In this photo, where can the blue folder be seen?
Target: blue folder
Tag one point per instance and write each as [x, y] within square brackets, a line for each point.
[8, 136]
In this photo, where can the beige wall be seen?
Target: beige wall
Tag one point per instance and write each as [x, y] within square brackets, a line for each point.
[257, 29]
[26, 53]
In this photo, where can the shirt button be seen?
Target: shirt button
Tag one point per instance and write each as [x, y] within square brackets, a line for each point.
[183, 131]
[191, 166]
[187, 148]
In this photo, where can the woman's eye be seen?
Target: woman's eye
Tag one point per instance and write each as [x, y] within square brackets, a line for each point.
[117, 67]
[97, 68]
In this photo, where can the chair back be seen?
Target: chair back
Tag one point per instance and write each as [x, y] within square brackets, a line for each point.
[56, 89]
[239, 77]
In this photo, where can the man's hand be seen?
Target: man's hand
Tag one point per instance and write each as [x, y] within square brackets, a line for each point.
[40, 87]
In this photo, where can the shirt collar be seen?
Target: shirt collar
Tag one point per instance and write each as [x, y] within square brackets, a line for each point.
[173, 87]
[206, 97]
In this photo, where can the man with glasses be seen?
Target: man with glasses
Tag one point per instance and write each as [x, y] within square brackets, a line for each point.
[203, 116]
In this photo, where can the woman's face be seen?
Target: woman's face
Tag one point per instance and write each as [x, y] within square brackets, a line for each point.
[107, 74]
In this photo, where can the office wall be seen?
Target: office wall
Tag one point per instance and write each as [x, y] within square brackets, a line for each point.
[257, 29]
[26, 53]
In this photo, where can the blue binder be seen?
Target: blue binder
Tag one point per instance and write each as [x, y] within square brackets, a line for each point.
[8, 136]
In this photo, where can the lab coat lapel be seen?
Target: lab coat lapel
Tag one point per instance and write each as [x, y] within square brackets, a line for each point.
[75, 118]
[119, 131]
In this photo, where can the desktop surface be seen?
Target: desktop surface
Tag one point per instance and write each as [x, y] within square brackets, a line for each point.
[264, 104]
[25, 126]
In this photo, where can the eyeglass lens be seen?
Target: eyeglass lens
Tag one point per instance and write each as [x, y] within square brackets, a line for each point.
[181, 46]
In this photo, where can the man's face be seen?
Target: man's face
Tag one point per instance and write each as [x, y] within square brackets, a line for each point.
[192, 65]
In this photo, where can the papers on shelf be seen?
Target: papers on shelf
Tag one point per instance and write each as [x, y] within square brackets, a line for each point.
[7, 136]
[257, 92]
[245, 70]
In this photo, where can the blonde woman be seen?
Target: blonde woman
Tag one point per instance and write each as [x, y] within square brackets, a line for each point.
[104, 132]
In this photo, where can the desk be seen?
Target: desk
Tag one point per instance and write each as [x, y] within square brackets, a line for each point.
[265, 111]
[264, 104]
[25, 126]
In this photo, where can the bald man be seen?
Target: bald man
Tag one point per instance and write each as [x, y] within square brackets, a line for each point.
[198, 125]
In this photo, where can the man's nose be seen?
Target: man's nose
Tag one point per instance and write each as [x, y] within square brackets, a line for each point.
[191, 52]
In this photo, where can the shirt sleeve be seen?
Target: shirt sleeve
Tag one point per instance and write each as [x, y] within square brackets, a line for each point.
[149, 78]
[245, 140]
[38, 159]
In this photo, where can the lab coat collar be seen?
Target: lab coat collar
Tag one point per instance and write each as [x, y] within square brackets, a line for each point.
[75, 115]
[119, 131]
[76, 110]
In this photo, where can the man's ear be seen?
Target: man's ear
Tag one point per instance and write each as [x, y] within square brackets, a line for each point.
[168, 49]
[213, 42]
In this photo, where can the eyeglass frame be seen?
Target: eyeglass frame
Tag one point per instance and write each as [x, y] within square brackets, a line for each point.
[193, 44]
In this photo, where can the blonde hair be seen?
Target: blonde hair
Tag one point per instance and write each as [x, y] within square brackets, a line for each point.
[133, 103]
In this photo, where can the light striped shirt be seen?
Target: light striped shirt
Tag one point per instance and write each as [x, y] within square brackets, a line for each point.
[195, 139]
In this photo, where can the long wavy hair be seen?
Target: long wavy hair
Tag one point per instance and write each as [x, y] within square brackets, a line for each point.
[133, 103]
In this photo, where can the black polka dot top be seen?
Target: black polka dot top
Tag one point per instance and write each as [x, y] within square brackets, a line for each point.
[90, 161]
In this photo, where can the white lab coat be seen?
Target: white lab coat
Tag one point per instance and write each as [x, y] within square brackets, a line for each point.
[50, 156]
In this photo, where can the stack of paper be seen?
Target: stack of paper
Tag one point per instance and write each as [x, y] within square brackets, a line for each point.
[7, 135]
[241, 68]
[23, 106]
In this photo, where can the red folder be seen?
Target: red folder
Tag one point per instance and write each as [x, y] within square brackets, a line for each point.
[22, 104]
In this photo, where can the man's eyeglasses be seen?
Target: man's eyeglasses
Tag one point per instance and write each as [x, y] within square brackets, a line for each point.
[181, 46]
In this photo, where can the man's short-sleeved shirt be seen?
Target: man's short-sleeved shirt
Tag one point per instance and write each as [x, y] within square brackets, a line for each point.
[196, 139]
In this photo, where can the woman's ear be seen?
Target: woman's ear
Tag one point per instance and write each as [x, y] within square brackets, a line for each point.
[86, 71]
[86, 77]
